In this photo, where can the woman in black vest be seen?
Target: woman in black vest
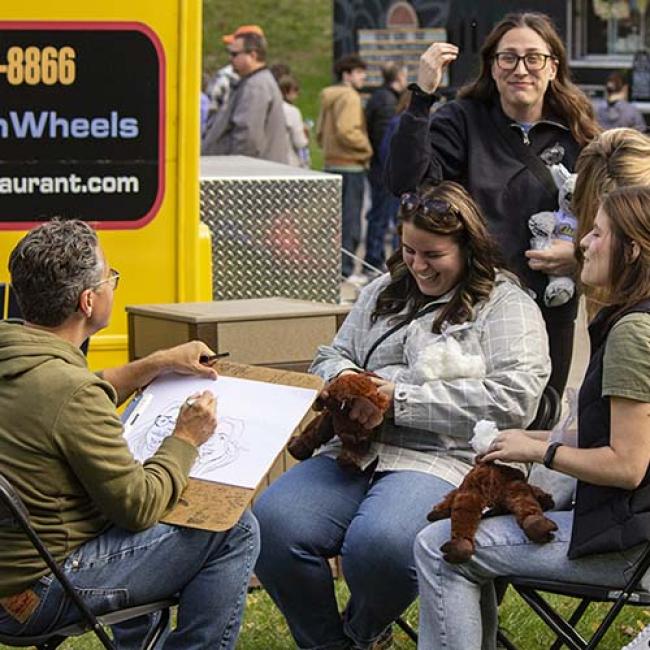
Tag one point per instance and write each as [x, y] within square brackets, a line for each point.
[602, 537]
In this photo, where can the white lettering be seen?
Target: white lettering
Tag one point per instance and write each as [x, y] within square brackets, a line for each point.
[61, 185]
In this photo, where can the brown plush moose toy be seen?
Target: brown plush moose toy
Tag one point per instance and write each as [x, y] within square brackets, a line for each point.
[334, 420]
[501, 488]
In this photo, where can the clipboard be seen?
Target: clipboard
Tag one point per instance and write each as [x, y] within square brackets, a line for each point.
[216, 506]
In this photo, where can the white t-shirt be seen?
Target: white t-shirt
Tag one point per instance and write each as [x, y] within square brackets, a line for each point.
[295, 133]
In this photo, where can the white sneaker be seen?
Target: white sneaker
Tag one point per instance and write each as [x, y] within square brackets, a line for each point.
[641, 642]
[357, 279]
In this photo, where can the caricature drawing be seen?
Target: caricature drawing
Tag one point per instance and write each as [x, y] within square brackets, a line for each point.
[221, 449]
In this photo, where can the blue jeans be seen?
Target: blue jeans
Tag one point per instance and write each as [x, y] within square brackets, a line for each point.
[209, 571]
[383, 210]
[454, 611]
[351, 206]
[317, 511]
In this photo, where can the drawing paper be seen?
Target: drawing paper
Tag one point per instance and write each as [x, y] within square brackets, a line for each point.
[254, 421]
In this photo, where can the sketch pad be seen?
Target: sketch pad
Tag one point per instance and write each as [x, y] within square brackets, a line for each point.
[258, 409]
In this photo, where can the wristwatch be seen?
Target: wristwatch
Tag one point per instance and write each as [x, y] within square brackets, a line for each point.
[549, 456]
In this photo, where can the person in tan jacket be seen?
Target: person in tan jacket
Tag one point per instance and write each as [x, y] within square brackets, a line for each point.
[341, 132]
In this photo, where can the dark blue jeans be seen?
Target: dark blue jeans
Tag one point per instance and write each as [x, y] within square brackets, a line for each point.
[118, 569]
[351, 206]
[317, 511]
[383, 210]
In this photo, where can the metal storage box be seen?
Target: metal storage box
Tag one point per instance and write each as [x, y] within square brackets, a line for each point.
[275, 229]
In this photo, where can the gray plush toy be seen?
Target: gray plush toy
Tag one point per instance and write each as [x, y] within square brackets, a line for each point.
[548, 226]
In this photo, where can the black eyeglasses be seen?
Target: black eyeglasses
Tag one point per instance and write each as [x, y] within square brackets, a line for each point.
[412, 202]
[534, 61]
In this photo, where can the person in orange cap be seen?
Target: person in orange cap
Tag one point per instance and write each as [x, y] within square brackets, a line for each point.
[252, 124]
[225, 79]
[240, 31]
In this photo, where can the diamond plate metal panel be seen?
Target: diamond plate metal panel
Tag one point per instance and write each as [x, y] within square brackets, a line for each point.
[274, 236]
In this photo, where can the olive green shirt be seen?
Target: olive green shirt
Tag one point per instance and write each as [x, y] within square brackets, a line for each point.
[61, 447]
[626, 366]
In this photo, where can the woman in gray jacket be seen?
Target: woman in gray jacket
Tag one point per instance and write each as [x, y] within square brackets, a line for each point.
[452, 340]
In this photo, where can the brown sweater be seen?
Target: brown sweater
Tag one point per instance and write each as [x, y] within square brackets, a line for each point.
[61, 446]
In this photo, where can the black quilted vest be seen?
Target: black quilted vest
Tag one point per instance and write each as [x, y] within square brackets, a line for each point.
[606, 518]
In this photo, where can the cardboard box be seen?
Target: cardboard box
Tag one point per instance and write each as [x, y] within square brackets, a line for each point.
[274, 332]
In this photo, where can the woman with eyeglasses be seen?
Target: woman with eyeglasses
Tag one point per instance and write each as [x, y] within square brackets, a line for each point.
[444, 297]
[599, 541]
[520, 107]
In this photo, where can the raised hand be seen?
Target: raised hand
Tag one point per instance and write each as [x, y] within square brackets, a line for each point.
[433, 63]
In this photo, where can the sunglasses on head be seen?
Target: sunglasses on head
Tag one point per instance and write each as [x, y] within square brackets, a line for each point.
[412, 202]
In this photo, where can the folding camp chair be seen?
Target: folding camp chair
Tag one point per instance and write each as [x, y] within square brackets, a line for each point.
[547, 416]
[565, 629]
[13, 513]
[13, 308]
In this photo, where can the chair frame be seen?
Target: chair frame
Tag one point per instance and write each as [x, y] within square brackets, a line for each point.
[14, 512]
[565, 628]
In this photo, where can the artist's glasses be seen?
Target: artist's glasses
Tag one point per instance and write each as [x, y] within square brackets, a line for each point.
[444, 211]
[113, 279]
[534, 61]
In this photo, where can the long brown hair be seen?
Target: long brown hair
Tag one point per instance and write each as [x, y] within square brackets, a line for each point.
[563, 98]
[628, 210]
[468, 229]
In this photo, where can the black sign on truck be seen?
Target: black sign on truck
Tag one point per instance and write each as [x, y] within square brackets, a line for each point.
[81, 123]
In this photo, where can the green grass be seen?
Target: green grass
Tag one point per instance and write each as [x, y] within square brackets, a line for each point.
[264, 628]
[299, 33]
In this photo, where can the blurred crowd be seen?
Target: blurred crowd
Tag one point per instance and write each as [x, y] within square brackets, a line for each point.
[248, 107]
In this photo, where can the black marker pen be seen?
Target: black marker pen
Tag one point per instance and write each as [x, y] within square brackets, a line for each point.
[207, 359]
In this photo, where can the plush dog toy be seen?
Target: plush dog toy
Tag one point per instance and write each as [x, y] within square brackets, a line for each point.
[334, 420]
[501, 489]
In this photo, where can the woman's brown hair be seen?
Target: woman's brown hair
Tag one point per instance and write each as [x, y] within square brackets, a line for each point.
[563, 98]
[616, 158]
[465, 223]
[628, 210]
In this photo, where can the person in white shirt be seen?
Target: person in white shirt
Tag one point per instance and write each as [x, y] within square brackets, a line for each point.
[297, 132]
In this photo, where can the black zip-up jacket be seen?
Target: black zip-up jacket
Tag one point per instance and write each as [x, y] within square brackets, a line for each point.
[379, 111]
[461, 142]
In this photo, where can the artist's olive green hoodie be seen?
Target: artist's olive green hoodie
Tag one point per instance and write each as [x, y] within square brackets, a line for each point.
[61, 446]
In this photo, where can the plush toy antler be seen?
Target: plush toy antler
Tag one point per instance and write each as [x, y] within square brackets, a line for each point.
[334, 420]
[501, 488]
